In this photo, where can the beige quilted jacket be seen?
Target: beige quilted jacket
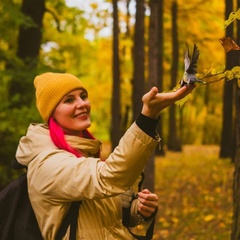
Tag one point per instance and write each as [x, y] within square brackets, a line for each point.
[56, 178]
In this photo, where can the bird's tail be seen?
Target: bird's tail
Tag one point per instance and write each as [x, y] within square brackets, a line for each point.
[200, 81]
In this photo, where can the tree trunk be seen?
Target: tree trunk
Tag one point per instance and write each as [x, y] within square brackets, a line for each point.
[138, 59]
[155, 43]
[160, 151]
[116, 113]
[35, 10]
[174, 143]
[236, 183]
[152, 80]
[226, 146]
[138, 80]
[236, 179]
[21, 92]
[29, 43]
[127, 113]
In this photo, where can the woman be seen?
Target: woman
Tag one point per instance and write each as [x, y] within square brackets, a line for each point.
[64, 165]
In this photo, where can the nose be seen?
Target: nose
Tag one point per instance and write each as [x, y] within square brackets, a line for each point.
[81, 103]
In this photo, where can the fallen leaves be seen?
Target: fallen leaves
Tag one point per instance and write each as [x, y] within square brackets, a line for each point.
[195, 195]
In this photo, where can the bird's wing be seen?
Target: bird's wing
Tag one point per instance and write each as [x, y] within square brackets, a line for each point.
[193, 62]
[187, 59]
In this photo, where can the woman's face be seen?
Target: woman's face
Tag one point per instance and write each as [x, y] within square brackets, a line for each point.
[73, 112]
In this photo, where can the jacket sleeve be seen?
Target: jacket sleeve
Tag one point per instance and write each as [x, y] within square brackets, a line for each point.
[61, 176]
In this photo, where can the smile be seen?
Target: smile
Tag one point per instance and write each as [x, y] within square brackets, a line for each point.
[81, 115]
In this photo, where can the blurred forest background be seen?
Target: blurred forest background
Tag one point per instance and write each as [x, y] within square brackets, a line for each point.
[119, 49]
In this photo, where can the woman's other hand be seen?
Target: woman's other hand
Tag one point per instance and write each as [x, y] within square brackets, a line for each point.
[147, 203]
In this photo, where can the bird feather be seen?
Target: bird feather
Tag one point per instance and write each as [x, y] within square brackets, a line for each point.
[192, 60]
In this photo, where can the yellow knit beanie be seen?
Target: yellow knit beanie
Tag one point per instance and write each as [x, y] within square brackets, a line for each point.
[51, 88]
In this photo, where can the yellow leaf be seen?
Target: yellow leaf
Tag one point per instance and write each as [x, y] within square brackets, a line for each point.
[209, 218]
[229, 75]
[213, 71]
[236, 71]
[164, 233]
[205, 71]
[175, 220]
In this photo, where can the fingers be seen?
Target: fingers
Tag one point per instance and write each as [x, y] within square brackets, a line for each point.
[184, 91]
[145, 191]
[147, 202]
[146, 197]
[150, 95]
[171, 97]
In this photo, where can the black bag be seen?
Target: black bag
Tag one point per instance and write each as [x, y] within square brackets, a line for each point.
[17, 218]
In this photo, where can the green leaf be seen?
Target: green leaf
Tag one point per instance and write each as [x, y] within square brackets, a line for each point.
[232, 17]
[181, 102]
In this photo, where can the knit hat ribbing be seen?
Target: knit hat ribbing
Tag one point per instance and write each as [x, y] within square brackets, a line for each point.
[51, 88]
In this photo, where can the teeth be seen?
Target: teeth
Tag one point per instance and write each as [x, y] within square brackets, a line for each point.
[81, 114]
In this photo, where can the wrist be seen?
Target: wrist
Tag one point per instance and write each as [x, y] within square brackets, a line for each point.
[149, 114]
[147, 124]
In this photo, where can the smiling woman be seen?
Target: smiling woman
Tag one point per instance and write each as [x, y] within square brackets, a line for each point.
[64, 163]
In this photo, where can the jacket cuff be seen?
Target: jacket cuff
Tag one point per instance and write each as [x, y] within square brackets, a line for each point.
[147, 125]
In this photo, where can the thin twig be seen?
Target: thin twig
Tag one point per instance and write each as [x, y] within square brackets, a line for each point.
[218, 80]
[55, 18]
[208, 76]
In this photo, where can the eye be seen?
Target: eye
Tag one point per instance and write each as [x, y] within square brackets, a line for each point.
[69, 100]
[83, 95]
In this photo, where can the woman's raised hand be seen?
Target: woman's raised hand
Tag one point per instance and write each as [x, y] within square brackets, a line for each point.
[154, 102]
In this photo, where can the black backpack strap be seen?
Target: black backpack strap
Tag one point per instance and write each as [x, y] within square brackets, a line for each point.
[148, 235]
[141, 182]
[71, 219]
[126, 210]
[126, 218]
[16, 165]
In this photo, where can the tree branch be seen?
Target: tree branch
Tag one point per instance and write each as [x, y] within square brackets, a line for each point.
[54, 15]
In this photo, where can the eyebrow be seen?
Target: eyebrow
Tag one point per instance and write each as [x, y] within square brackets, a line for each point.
[72, 95]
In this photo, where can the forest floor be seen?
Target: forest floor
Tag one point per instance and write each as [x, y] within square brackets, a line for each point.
[195, 195]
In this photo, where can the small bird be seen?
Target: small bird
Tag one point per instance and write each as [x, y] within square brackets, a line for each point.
[190, 62]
